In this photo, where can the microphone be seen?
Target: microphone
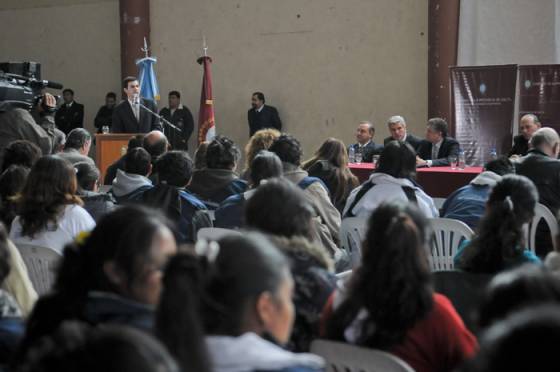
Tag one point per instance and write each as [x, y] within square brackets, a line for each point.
[47, 83]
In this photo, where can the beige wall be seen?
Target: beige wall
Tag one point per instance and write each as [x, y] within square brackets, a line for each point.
[78, 45]
[325, 64]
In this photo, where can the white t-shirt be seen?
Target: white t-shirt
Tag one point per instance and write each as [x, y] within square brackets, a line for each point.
[74, 220]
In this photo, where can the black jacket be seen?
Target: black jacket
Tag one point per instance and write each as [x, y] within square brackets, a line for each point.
[124, 120]
[68, 118]
[183, 119]
[411, 139]
[104, 117]
[267, 118]
[520, 146]
[368, 152]
[448, 147]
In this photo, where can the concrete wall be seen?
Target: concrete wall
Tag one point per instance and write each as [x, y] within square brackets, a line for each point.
[325, 64]
[77, 44]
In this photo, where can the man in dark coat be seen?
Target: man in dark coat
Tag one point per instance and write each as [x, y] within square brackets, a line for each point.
[397, 128]
[129, 116]
[528, 125]
[262, 116]
[104, 116]
[71, 114]
[180, 116]
[365, 145]
[438, 146]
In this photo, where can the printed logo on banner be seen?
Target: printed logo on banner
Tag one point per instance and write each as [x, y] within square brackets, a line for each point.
[482, 88]
[528, 84]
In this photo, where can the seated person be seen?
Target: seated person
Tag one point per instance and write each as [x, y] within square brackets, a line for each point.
[200, 156]
[330, 164]
[500, 241]
[76, 148]
[528, 124]
[397, 128]
[20, 152]
[131, 182]
[174, 170]
[392, 180]
[97, 204]
[112, 276]
[242, 293]
[261, 140]
[290, 152]
[231, 212]
[435, 150]
[468, 203]
[218, 180]
[365, 144]
[12, 181]
[50, 213]
[389, 303]
[111, 171]
[11, 323]
[156, 144]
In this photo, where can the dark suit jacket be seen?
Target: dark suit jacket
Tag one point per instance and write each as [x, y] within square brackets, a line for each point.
[68, 118]
[267, 118]
[411, 139]
[520, 146]
[183, 119]
[124, 120]
[448, 147]
[370, 149]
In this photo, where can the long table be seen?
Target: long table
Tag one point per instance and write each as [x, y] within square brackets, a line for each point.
[438, 182]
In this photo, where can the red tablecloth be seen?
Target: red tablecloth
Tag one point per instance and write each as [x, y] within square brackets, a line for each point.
[438, 182]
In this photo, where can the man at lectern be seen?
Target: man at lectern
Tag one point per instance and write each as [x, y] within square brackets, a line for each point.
[133, 114]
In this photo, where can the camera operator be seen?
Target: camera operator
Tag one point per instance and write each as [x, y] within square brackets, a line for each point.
[18, 124]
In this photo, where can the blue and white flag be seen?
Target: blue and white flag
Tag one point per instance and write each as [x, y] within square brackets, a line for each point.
[147, 78]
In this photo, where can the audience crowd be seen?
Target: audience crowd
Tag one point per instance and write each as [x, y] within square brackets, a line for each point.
[134, 289]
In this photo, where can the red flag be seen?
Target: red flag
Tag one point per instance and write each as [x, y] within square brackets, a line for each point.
[206, 124]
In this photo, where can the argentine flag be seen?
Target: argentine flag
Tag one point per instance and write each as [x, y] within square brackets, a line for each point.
[147, 78]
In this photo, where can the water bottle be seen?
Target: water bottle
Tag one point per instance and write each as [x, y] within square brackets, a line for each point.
[461, 162]
[493, 154]
[351, 154]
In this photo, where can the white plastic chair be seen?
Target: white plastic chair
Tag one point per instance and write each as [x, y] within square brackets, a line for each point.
[344, 275]
[215, 233]
[349, 358]
[352, 233]
[541, 212]
[448, 234]
[41, 263]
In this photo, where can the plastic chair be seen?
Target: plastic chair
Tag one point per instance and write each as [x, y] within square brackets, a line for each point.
[352, 233]
[541, 212]
[344, 275]
[349, 358]
[215, 233]
[41, 263]
[448, 234]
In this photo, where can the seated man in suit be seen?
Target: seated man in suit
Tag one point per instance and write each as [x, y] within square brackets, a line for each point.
[129, 116]
[262, 116]
[528, 125]
[365, 144]
[437, 147]
[71, 114]
[397, 128]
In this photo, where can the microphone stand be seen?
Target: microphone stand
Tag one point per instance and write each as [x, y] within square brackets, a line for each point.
[159, 117]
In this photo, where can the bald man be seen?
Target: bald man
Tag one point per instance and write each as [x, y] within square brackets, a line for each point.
[528, 125]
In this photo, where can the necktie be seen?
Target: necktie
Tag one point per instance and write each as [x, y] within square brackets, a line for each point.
[435, 150]
[136, 109]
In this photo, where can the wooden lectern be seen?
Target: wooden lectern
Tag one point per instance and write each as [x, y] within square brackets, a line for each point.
[109, 148]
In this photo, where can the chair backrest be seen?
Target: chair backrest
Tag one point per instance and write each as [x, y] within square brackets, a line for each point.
[344, 275]
[41, 264]
[352, 233]
[215, 233]
[541, 213]
[349, 358]
[448, 234]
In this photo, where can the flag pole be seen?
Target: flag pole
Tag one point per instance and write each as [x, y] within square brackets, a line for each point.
[145, 49]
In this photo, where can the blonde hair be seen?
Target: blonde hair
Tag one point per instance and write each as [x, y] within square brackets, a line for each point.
[261, 140]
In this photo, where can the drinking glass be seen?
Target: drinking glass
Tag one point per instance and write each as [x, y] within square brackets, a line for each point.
[453, 161]
[375, 160]
[105, 129]
[358, 156]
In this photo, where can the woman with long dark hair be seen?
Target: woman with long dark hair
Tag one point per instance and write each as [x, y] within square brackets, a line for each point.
[500, 241]
[50, 212]
[330, 164]
[389, 303]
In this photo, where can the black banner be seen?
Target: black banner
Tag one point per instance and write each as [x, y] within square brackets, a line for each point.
[539, 93]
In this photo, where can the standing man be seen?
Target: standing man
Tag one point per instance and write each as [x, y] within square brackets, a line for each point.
[129, 116]
[437, 147]
[105, 114]
[397, 128]
[365, 144]
[180, 116]
[262, 116]
[528, 125]
[71, 114]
